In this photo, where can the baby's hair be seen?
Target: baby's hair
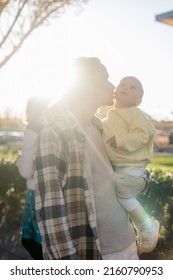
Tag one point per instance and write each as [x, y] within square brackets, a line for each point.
[138, 81]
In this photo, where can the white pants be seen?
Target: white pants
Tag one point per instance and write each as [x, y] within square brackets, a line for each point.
[129, 253]
[134, 182]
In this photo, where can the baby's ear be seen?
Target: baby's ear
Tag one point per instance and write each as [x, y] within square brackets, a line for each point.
[138, 101]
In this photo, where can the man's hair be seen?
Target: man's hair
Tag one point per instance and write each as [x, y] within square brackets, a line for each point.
[89, 68]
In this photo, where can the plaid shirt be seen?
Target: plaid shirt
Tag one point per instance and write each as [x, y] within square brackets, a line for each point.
[63, 203]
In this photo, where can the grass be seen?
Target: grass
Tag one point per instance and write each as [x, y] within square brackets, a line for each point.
[162, 162]
[158, 162]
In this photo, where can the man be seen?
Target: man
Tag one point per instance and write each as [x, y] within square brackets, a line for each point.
[77, 209]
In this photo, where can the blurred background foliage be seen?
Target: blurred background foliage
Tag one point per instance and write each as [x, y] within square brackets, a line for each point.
[12, 194]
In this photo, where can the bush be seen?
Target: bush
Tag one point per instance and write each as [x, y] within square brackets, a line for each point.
[12, 193]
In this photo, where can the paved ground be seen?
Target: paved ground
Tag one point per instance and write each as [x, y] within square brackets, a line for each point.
[10, 246]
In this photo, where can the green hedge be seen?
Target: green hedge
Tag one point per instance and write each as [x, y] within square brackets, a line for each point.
[12, 193]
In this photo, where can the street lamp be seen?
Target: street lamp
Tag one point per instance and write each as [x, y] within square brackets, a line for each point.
[165, 18]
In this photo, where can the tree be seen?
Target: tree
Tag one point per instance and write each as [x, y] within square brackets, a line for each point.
[3, 4]
[19, 18]
[8, 121]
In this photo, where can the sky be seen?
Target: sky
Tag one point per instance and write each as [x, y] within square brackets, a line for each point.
[122, 33]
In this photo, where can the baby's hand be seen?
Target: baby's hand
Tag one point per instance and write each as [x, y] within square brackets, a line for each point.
[112, 142]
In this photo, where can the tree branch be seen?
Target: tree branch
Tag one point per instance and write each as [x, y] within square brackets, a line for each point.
[13, 24]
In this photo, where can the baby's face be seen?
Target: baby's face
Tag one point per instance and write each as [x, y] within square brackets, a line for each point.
[129, 92]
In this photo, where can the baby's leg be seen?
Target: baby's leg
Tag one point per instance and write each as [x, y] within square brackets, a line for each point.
[136, 211]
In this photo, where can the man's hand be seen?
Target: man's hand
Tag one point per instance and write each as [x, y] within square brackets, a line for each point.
[112, 142]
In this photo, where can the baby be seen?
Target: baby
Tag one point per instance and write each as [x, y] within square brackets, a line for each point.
[128, 135]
